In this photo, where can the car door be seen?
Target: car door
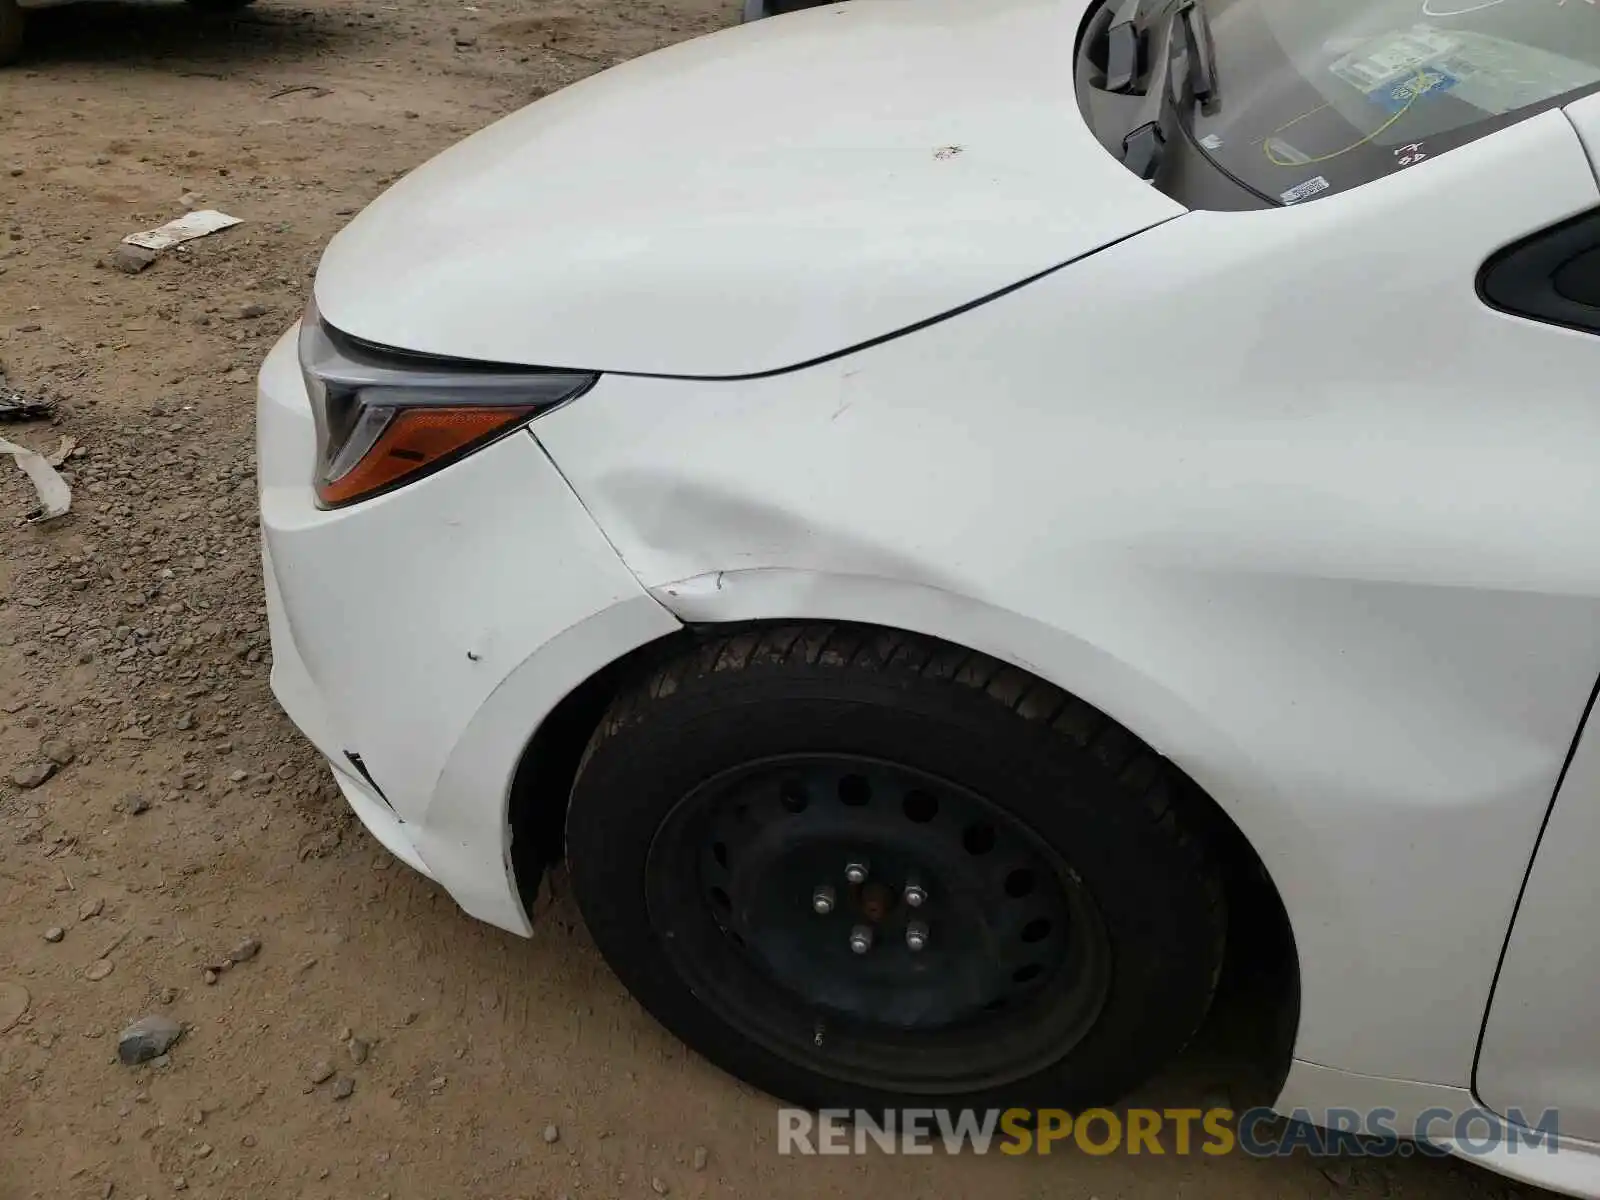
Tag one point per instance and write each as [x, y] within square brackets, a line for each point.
[1541, 1041]
[1541, 1044]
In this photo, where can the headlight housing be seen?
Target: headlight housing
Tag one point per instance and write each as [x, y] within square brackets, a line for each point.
[386, 418]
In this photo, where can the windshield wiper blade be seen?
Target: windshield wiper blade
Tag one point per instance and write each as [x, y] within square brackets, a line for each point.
[1122, 56]
[1144, 146]
[1201, 51]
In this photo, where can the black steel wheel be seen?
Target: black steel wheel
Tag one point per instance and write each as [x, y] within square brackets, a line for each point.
[855, 868]
[884, 925]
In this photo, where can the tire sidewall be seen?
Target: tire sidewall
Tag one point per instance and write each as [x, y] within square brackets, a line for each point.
[1156, 911]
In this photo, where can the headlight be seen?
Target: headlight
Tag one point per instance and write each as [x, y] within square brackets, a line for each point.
[385, 418]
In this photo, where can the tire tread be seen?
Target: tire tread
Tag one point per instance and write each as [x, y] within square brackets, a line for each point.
[1141, 774]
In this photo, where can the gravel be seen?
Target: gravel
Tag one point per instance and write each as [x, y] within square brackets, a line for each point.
[148, 1038]
[32, 775]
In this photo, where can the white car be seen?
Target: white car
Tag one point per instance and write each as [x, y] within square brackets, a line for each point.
[921, 501]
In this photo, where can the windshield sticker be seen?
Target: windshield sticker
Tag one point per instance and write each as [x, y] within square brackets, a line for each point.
[1303, 191]
[1389, 61]
[1395, 97]
[1409, 154]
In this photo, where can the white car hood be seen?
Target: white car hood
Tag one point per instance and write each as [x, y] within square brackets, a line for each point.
[751, 200]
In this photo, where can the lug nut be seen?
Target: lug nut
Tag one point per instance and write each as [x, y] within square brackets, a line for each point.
[861, 939]
[856, 872]
[916, 936]
[822, 900]
[914, 895]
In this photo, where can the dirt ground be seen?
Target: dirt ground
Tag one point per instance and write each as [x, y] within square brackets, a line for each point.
[184, 815]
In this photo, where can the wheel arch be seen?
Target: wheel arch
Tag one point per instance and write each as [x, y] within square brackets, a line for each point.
[1262, 956]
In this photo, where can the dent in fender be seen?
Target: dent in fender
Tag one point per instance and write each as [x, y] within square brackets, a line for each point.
[1172, 727]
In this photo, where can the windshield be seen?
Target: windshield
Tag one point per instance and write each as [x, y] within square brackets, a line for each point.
[1321, 95]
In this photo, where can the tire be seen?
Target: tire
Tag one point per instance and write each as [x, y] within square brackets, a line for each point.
[13, 24]
[715, 789]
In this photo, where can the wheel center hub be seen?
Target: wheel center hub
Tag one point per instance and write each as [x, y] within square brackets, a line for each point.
[874, 892]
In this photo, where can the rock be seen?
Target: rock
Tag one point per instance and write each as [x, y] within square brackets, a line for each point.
[552, 1135]
[168, 995]
[659, 1186]
[245, 950]
[700, 1157]
[99, 969]
[58, 750]
[209, 976]
[147, 1038]
[54, 934]
[250, 312]
[344, 1089]
[359, 1049]
[136, 805]
[90, 909]
[130, 260]
[1341, 1175]
[238, 776]
[465, 42]
[321, 1072]
[32, 775]
[14, 1001]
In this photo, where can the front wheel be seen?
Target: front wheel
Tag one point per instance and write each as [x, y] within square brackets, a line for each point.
[864, 869]
[13, 23]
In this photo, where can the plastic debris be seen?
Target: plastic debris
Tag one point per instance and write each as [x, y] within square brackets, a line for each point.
[55, 497]
[186, 228]
[15, 406]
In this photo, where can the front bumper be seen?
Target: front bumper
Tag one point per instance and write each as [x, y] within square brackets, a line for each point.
[430, 630]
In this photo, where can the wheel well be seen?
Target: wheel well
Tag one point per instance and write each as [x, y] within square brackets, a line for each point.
[1250, 1034]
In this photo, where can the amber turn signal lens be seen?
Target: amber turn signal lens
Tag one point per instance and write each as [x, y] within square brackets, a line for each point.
[418, 439]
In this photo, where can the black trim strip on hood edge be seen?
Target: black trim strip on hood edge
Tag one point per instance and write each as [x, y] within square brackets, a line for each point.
[414, 358]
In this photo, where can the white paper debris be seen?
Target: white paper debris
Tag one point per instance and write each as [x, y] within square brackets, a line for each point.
[185, 228]
[55, 497]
